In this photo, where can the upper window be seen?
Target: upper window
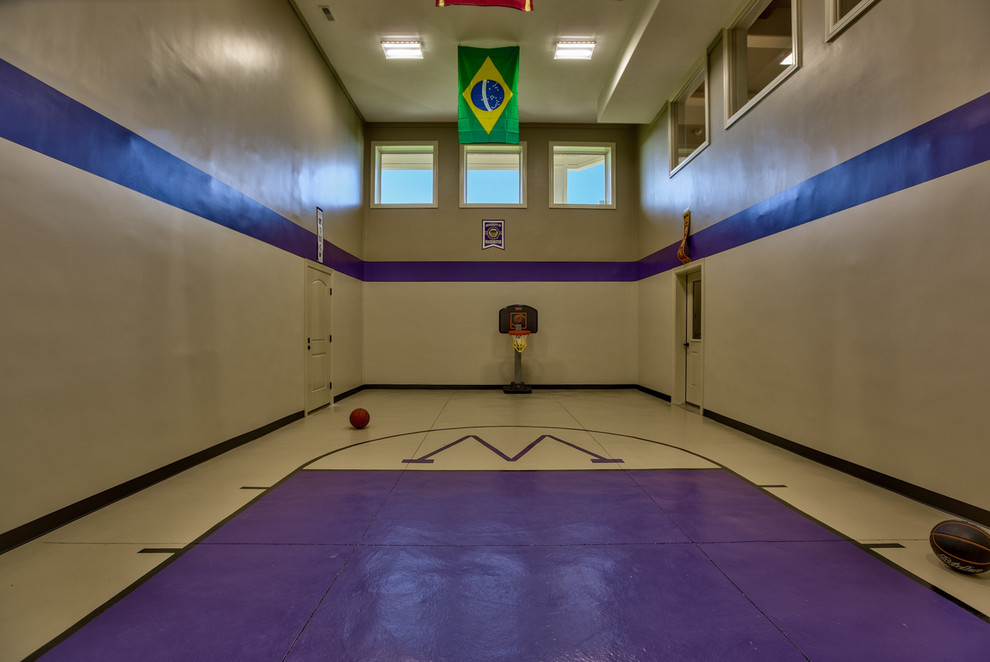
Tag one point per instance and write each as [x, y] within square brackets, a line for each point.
[841, 13]
[689, 118]
[582, 175]
[493, 175]
[762, 48]
[405, 174]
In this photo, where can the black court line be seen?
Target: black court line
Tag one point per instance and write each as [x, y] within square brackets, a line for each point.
[882, 545]
[161, 550]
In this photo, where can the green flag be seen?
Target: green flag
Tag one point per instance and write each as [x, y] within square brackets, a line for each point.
[488, 103]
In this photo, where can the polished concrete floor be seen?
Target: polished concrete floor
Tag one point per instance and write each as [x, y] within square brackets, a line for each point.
[472, 525]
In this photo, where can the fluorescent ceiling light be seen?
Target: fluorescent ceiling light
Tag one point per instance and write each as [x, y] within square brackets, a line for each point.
[574, 50]
[788, 60]
[402, 50]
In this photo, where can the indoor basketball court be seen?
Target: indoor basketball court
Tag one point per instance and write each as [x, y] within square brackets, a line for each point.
[494, 330]
[471, 524]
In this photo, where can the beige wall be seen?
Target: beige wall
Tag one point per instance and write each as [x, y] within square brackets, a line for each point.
[233, 87]
[447, 333]
[400, 340]
[903, 63]
[656, 336]
[535, 233]
[348, 333]
[136, 334]
[860, 334]
[873, 350]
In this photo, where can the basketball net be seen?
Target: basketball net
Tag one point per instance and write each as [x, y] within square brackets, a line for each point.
[520, 339]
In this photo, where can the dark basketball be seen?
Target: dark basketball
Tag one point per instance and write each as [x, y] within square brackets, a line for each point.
[360, 418]
[961, 546]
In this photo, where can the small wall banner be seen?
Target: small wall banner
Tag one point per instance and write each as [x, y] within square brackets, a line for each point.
[494, 234]
[319, 235]
[682, 254]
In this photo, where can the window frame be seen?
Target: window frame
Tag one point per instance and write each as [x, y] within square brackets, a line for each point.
[493, 148]
[837, 25]
[404, 146]
[590, 148]
[699, 70]
[747, 15]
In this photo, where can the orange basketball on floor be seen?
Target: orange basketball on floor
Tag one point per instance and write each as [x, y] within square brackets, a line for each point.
[360, 418]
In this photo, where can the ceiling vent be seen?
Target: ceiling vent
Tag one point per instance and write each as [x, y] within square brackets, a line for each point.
[326, 12]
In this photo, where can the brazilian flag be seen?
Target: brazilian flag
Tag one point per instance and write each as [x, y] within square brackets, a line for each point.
[488, 106]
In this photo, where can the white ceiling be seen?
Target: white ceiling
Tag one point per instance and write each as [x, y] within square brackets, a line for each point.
[644, 50]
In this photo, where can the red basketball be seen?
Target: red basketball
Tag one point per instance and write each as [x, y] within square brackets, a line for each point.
[961, 546]
[360, 418]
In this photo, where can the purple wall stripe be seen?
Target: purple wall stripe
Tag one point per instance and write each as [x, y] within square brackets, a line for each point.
[500, 271]
[41, 118]
[953, 141]
[339, 259]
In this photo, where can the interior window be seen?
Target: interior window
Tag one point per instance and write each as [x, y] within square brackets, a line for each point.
[689, 119]
[582, 175]
[762, 50]
[842, 13]
[493, 175]
[405, 175]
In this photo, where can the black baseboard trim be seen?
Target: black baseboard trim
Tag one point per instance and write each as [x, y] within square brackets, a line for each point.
[469, 387]
[431, 387]
[465, 387]
[655, 394]
[347, 394]
[910, 490]
[42, 525]
[588, 387]
[26, 532]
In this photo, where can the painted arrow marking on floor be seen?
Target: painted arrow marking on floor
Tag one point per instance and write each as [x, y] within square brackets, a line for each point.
[595, 458]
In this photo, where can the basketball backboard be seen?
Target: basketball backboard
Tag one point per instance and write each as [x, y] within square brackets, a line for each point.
[518, 316]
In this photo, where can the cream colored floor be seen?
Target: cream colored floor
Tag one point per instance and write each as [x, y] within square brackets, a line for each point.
[49, 584]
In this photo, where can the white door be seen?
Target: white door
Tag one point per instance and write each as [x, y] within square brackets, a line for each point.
[694, 359]
[318, 338]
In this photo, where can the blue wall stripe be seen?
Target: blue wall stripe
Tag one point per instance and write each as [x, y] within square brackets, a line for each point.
[41, 118]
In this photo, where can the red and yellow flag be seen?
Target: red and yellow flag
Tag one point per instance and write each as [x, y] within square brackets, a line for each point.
[522, 5]
[682, 252]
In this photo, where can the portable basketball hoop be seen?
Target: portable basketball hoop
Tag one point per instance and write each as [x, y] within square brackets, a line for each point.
[519, 321]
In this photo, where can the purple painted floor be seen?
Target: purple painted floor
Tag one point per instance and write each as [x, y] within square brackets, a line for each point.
[684, 565]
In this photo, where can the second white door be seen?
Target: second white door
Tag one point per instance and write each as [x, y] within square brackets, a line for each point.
[694, 348]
